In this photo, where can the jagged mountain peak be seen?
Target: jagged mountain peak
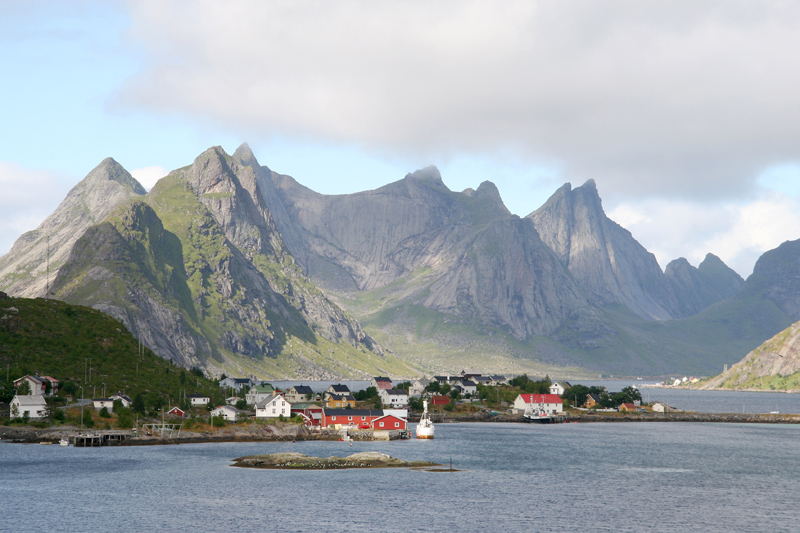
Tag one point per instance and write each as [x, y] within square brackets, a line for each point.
[24, 270]
[244, 155]
[429, 173]
[601, 254]
[677, 265]
[110, 170]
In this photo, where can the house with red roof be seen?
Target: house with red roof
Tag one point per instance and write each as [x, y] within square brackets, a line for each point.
[549, 403]
[380, 383]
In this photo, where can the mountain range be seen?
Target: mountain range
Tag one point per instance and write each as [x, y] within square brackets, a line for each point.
[228, 265]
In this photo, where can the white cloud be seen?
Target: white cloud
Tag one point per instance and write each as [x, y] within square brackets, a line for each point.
[738, 234]
[685, 99]
[148, 176]
[28, 196]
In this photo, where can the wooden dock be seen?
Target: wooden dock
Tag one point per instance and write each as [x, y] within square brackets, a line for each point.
[105, 438]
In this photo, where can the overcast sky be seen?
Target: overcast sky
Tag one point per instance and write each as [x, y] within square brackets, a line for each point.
[685, 114]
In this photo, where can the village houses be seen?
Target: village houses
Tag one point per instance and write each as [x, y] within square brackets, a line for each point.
[417, 387]
[198, 400]
[38, 384]
[380, 383]
[273, 406]
[299, 393]
[393, 397]
[231, 414]
[32, 405]
[549, 403]
[258, 393]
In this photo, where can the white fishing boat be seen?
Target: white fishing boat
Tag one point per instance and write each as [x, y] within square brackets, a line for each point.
[425, 426]
[64, 441]
[537, 416]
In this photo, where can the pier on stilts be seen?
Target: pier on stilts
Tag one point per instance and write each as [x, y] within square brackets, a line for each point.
[104, 438]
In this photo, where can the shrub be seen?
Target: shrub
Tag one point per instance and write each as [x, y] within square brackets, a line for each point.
[104, 413]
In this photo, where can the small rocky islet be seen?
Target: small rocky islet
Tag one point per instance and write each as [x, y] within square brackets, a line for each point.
[299, 461]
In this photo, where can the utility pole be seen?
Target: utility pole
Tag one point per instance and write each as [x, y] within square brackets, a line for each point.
[47, 290]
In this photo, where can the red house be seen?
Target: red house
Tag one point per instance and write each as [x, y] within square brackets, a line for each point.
[176, 411]
[389, 422]
[361, 418]
[439, 400]
[311, 413]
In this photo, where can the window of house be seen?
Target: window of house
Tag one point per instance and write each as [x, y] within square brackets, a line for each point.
[397, 424]
[381, 424]
[349, 417]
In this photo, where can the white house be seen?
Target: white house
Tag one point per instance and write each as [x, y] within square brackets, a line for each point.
[559, 388]
[37, 384]
[418, 387]
[299, 393]
[380, 383]
[32, 404]
[99, 403]
[273, 406]
[338, 389]
[467, 387]
[126, 401]
[231, 414]
[549, 403]
[198, 399]
[395, 398]
[235, 383]
[659, 407]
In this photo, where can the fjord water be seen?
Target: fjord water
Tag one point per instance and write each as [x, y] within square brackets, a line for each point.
[514, 477]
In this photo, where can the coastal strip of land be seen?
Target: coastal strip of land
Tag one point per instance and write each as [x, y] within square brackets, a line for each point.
[295, 432]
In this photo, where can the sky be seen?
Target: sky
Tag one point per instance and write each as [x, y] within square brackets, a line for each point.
[685, 113]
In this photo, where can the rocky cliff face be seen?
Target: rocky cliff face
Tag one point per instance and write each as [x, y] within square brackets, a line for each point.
[775, 365]
[198, 271]
[603, 257]
[697, 288]
[776, 275]
[479, 264]
[23, 271]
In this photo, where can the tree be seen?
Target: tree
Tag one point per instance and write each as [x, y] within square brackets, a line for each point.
[124, 418]
[14, 411]
[241, 404]
[24, 388]
[366, 394]
[631, 394]
[415, 404]
[88, 421]
[68, 388]
[433, 386]
[138, 403]
[104, 413]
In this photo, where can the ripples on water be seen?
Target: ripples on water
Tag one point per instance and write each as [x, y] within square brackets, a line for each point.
[568, 477]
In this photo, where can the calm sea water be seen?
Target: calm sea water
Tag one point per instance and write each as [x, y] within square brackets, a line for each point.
[515, 477]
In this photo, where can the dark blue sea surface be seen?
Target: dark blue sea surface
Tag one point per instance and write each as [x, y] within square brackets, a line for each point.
[514, 477]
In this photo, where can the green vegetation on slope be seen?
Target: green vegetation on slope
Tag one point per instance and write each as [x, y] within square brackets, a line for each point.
[66, 341]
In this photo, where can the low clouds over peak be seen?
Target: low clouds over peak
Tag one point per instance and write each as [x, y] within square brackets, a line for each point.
[680, 99]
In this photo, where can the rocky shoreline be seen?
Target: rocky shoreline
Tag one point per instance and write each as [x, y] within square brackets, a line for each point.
[298, 461]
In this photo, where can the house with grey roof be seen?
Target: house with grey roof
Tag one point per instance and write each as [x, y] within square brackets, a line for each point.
[31, 404]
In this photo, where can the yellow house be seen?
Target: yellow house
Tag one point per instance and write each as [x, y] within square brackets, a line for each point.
[340, 401]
